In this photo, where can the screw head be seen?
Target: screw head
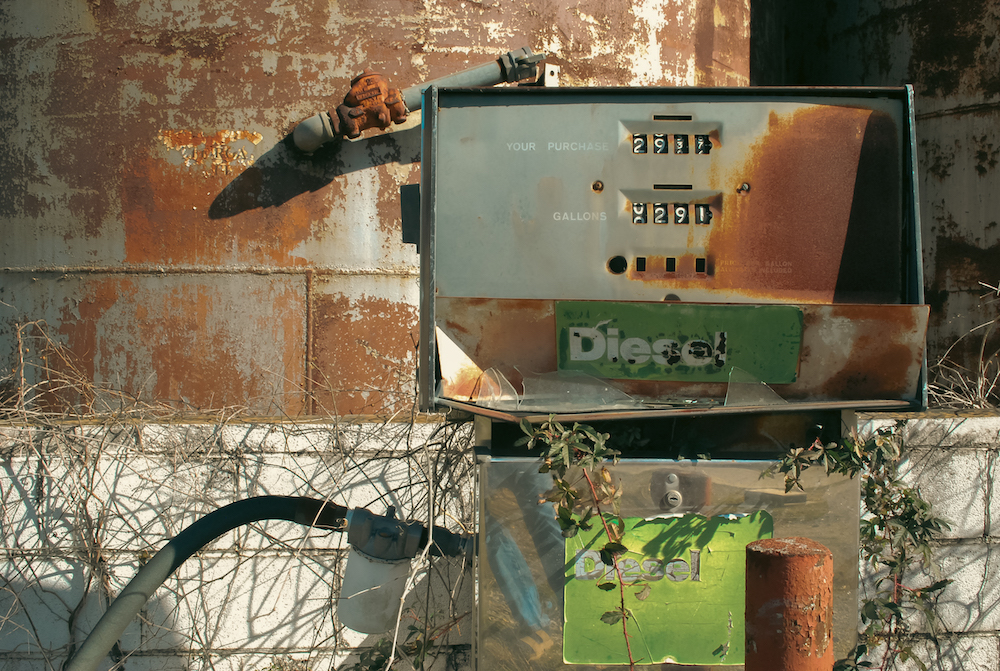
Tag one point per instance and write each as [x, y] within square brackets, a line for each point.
[597, 186]
[743, 188]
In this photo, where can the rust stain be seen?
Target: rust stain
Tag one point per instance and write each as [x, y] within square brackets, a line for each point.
[503, 333]
[731, 53]
[936, 160]
[167, 220]
[784, 238]
[851, 352]
[874, 372]
[78, 329]
[170, 342]
[211, 152]
[704, 42]
[885, 349]
[959, 267]
[819, 223]
[789, 605]
[208, 44]
[105, 178]
[953, 50]
[721, 43]
[364, 354]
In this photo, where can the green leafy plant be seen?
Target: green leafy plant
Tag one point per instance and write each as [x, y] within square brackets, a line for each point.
[583, 490]
[896, 534]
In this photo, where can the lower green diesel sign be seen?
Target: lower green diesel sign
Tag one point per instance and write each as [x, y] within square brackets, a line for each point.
[684, 342]
[685, 585]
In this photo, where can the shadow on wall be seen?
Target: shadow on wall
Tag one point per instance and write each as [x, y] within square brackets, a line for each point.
[234, 610]
[40, 631]
[77, 528]
[284, 172]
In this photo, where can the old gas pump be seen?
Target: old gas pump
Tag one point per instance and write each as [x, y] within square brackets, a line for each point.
[709, 276]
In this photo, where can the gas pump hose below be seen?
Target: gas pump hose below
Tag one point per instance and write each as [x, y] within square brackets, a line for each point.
[302, 510]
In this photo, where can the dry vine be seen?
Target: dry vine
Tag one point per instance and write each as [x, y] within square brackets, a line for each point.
[957, 386]
[96, 480]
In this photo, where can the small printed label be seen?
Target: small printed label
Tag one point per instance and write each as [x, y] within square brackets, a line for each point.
[578, 146]
[580, 216]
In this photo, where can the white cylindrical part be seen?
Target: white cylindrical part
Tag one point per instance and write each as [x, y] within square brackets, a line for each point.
[311, 133]
[370, 594]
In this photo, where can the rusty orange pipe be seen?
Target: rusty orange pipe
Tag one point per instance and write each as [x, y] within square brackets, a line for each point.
[789, 606]
[324, 127]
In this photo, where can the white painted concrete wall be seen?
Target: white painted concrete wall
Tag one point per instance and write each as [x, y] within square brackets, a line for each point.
[953, 462]
[82, 507]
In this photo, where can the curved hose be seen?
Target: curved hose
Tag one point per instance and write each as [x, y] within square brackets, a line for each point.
[310, 512]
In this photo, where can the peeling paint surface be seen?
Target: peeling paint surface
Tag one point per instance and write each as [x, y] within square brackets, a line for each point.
[858, 352]
[147, 167]
[949, 52]
[193, 343]
[213, 152]
[365, 342]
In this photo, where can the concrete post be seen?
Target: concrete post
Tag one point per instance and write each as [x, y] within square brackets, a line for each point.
[789, 606]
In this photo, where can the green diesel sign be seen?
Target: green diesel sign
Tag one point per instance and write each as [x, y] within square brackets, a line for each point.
[684, 342]
[685, 583]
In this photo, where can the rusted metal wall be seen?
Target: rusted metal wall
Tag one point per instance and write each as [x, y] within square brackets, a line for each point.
[156, 219]
[949, 51]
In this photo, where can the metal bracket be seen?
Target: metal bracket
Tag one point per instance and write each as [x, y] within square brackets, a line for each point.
[520, 64]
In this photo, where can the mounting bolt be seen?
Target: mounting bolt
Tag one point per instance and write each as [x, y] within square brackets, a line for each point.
[598, 186]
[743, 188]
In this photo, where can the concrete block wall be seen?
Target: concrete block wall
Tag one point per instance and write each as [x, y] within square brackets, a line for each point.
[952, 460]
[82, 507]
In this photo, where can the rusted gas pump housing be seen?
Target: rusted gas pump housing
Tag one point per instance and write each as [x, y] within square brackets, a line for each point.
[667, 198]
[717, 272]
